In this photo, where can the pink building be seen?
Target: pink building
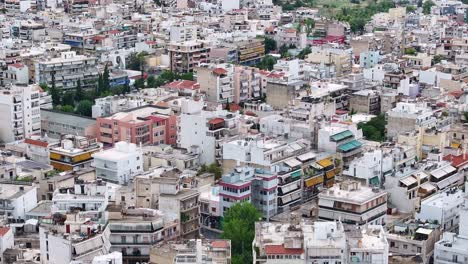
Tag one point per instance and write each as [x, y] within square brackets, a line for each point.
[248, 84]
[147, 125]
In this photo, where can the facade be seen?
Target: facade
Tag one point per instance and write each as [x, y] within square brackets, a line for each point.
[353, 203]
[112, 104]
[406, 117]
[21, 114]
[55, 124]
[119, 164]
[17, 200]
[73, 153]
[66, 70]
[248, 84]
[185, 56]
[146, 125]
[365, 101]
[216, 83]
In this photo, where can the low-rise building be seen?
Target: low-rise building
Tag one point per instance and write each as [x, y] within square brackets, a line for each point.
[353, 203]
[17, 200]
[74, 153]
[54, 124]
[119, 164]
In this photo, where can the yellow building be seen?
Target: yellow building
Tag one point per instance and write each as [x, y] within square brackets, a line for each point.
[74, 152]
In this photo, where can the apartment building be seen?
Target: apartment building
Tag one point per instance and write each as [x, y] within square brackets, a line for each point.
[452, 247]
[21, 114]
[291, 70]
[146, 125]
[294, 242]
[183, 32]
[341, 58]
[205, 129]
[216, 82]
[248, 184]
[411, 238]
[249, 52]
[66, 70]
[209, 251]
[74, 153]
[55, 124]
[185, 56]
[133, 232]
[17, 200]
[365, 101]
[119, 164]
[73, 239]
[353, 204]
[181, 203]
[442, 208]
[341, 140]
[91, 198]
[16, 73]
[405, 117]
[248, 84]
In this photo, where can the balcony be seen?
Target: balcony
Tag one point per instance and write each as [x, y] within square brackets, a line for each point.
[188, 207]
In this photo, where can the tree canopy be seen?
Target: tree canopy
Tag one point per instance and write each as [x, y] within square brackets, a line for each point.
[374, 129]
[239, 227]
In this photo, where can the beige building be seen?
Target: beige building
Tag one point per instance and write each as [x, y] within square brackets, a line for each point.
[365, 101]
[280, 95]
[216, 82]
[185, 56]
[424, 140]
[342, 59]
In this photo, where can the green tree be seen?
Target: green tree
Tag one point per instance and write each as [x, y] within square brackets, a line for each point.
[186, 76]
[151, 82]
[466, 14]
[239, 227]
[54, 92]
[270, 45]
[67, 108]
[44, 87]
[427, 5]
[304, 52]
[437, 59]
[465, 115]
[68, 98]
[99, 85]
[79, 91]
[411, 51]
[84, 108]
[267, 63]
[374, 129]
[139, 83]
[284, 51]
[309, 25]
[105, 80]
[410, 9]
[136, 61]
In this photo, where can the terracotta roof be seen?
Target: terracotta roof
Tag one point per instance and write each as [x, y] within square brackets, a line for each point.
[36, 142]
[457, 161]
[341, 112]
[113, 32]
[4, 230]
[219, 71]
[183, 84]
[220, 244]
[280, 250]
[98, 37]
[156, 118]
[17, 65]
[234, 107]
[150, 42]
[216, 121]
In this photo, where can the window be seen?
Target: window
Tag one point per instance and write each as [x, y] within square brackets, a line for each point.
[405, 246]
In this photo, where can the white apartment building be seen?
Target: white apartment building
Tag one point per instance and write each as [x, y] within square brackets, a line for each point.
[73, 240]
[406, 117]
[88, 197]
[353, 203]
[183, 32]
[294, 242]
[205, 129]
[453, 248]
[120, 163]
[112, 104]
[67, 70]
[368, 245]
[442, 208]
[21, 114]
[293, 69]
[341, 139]
[369, 167]
[17, 200]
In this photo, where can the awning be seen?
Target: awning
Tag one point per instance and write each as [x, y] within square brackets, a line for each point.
[441, 172]
[326, 203]
[314, 181]
[374, 181]
[455, 145]
[325, 163]
[352, 145]
[424, 231]
[342, 135]
[307, 156]
[293, 162]
[408, 181]
[330, 174]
